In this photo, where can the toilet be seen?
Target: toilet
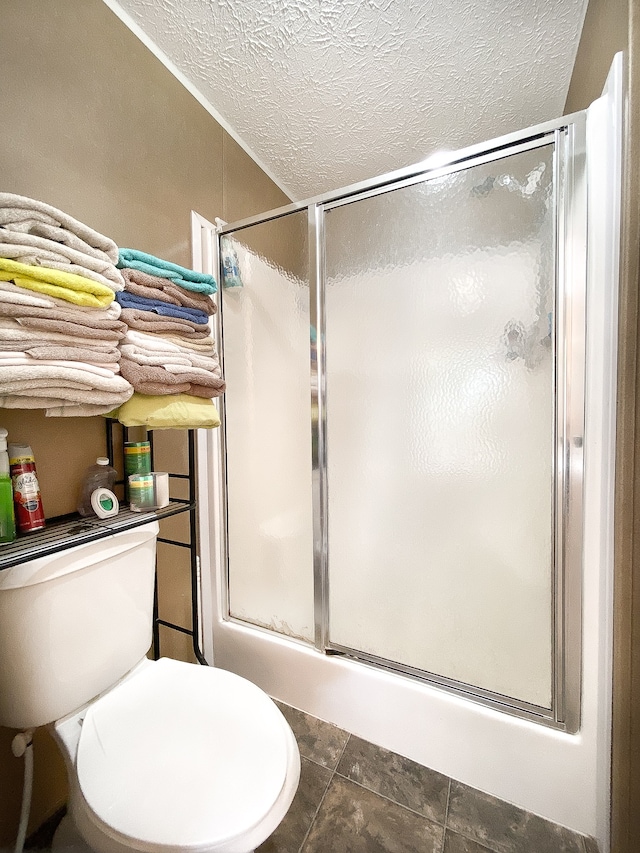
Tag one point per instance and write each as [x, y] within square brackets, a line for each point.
[160, 755]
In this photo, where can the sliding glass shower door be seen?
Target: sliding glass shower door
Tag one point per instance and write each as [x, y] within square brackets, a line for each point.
[403, 421]
[440, 373]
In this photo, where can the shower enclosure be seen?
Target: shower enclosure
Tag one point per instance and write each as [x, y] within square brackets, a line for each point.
[404, 419]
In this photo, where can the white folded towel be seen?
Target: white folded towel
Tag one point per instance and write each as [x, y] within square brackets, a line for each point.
[13, 359]
[142, 356]
[36, 376]
[55, 407]
[169, 343]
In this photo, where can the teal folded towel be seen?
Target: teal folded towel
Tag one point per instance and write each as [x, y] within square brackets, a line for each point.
[189, 279]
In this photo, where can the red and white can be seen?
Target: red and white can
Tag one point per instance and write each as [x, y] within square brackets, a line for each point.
[26, 489]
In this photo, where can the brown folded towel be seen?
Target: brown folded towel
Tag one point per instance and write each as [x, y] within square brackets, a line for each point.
[147, 321]
[64, 353]
[139, 373]
[12, 332]
[67, 328]
[154, 287]
[153, 388]
[205, 390]
[82, 316]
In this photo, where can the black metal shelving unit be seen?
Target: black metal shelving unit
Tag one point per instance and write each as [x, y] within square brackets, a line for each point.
[68, 531]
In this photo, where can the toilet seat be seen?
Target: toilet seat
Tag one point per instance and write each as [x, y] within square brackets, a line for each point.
[185, 757]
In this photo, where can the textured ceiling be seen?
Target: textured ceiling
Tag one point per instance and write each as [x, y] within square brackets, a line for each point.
[324, 93]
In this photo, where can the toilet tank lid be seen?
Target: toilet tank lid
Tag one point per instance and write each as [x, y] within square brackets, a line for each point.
[47, 568]
[183, 756]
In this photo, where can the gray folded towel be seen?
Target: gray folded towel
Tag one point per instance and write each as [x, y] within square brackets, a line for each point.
[24, 213]
[37, 251]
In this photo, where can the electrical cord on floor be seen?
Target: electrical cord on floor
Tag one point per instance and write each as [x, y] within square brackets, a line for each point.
[22, 744]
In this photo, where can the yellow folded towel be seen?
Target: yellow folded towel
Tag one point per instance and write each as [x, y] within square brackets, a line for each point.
[64, 285]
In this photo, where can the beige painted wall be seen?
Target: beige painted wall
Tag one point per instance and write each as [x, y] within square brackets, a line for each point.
[94, 124]
[605, 32]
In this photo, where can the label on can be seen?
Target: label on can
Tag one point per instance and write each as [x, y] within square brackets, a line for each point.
[137, 457]
[26, 496]
[141, 492]
[137, 460]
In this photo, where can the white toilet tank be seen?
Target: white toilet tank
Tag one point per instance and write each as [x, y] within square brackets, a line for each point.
[73, 623]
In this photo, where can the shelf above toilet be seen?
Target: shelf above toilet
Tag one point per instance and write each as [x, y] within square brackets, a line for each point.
[69, 530]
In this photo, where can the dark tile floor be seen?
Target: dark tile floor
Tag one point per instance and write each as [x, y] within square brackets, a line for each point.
[355, 797]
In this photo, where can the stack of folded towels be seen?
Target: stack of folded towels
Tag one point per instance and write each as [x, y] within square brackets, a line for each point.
[60, 325]
[168, 347]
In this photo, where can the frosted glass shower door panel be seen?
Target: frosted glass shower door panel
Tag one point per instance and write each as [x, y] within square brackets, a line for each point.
[267, 428]
[440, 425]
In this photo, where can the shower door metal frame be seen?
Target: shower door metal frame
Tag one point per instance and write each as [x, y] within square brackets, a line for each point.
[568, 135]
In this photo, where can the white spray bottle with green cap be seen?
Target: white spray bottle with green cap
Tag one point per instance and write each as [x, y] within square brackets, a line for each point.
[7, 517]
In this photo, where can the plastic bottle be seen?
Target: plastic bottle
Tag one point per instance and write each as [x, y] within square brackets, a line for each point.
[98, 476]
[7, 516]
[26, 489]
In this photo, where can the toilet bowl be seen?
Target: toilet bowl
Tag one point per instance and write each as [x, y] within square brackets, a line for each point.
[161, 756]
[179, 757]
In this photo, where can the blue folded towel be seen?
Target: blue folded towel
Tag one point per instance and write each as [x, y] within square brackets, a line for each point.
[189, 279]
[165, 309]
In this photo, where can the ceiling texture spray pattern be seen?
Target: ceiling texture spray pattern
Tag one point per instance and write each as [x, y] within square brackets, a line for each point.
[325, 93]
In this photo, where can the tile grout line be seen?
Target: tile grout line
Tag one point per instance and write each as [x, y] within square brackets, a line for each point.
[483, 846]
[461, 834]
[324, 793]
[315, 814]
[446, 816]
[344, 748]
[389, 799]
